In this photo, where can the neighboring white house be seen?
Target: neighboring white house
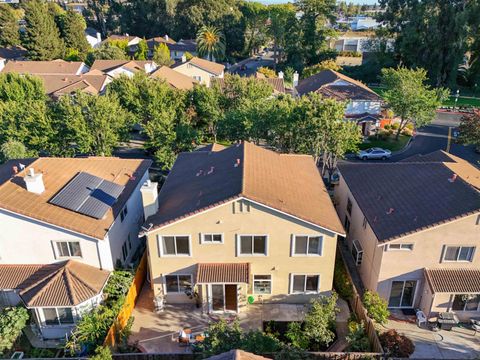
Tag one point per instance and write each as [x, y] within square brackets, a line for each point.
[363, 105]
[363, 23]
[200, 69]
[28, 205]
[94, 37]
[115, 68]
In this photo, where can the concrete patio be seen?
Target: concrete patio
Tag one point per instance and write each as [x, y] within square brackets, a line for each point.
[158, 332]
[459, 343]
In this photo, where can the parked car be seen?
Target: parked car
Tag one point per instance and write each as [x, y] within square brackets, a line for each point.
[374, 153]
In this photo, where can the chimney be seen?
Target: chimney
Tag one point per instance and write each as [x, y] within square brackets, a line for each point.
[34, 182]
[280, 74]
[184, 58]
[166, 37]
[295, 79]
[149, 192]
[99, 37]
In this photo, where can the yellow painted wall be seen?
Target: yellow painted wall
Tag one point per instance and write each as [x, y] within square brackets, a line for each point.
[259, 220]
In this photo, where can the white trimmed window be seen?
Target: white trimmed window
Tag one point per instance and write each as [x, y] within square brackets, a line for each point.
[406, 247]
[304, 284]
[212, 238]
[198, 78]
[67, 249]
[458, 253]
[58, 316]
[252, 245]
[466, 302]
[306, 245]
[357, 252]
[262, 284]
[177, 283]
[175, 245]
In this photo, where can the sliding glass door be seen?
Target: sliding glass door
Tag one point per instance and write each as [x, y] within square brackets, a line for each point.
[402, 294]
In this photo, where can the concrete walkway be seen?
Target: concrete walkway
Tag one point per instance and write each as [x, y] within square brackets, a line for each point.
[341, 323]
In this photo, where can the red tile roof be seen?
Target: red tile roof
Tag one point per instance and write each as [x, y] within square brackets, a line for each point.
[223, 273]
[454, 281]
[67, 283]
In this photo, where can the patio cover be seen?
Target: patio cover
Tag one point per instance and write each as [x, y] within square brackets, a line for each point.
[222, 273]
[454, 281]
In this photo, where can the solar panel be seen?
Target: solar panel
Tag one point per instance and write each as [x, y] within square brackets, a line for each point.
[88, 195]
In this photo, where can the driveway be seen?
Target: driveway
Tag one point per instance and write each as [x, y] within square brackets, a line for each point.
[459, 343]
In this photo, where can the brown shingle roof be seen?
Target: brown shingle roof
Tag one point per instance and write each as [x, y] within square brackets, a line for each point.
[200, 180]
[53, 67]
[206, 65]
[108, 65]
[57, 172]
[454, 281]
[174, 78]
[67, 283]
[236, 355]
[324, 83]
[57, 85]
[420, 194]
[152, 42]
[223, 273]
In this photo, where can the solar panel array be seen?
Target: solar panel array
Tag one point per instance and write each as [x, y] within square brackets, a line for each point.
[88, 195]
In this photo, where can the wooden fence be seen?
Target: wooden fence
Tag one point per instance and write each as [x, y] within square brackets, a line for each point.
[361, 312]
[199, 356]
[130, 300]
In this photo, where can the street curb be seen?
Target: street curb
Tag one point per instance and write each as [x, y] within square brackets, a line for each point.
[406, 147]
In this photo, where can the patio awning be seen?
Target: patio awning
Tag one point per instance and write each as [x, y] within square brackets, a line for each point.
[222, 273]
[454, 281]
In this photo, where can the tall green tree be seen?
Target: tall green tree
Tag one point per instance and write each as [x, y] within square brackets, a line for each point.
[431, 34]
[314, 30]
[105, 52]
[41, 37]
[9, 28]
[279, 16]
[211, 43]
[30, 124]
[255, 16]
[72, 29]
[90, 124]
[161, 112]
[142, 50]
[410, 98]
[103, 15]
[161, 55]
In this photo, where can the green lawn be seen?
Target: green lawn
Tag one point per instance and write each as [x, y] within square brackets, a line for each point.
[462, 101]
[390, 144]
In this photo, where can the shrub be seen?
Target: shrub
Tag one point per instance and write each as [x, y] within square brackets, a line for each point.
[102, 353]
[341, 282]
[324, 65]
[319, 322]
[357, 337]
[396, 345]
[377, 308]
[12, 321]
[269, 73]
[13, 149]
[387, 127]
[409, 126]
[395, 126]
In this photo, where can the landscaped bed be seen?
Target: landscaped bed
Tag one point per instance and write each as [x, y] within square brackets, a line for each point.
[388, 142]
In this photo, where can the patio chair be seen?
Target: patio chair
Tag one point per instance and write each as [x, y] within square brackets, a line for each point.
[421, 318]
[475, 326]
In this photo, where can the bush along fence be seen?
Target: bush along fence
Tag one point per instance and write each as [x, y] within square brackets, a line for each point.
[125, 313]
[107, 323]
[359, 310]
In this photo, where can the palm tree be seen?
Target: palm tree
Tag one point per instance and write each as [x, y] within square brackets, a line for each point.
[210, 42]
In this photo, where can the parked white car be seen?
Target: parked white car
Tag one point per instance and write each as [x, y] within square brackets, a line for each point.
[374, 153]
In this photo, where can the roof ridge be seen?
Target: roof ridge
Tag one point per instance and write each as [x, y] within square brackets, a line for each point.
[48, 281]
[77, 277]
[69, 283]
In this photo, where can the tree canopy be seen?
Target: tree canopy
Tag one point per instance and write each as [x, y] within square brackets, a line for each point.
[9, 28]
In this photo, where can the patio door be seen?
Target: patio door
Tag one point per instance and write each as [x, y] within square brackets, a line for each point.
[223, 297]
[402, 294]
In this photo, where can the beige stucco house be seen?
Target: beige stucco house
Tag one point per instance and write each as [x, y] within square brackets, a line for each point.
[200, 70]
[413, 229]
[242, 224]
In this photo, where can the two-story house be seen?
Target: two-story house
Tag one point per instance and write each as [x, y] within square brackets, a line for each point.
[363, 105]
[65, 224]
[413, 229]
[241, 224]
[200, 70]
